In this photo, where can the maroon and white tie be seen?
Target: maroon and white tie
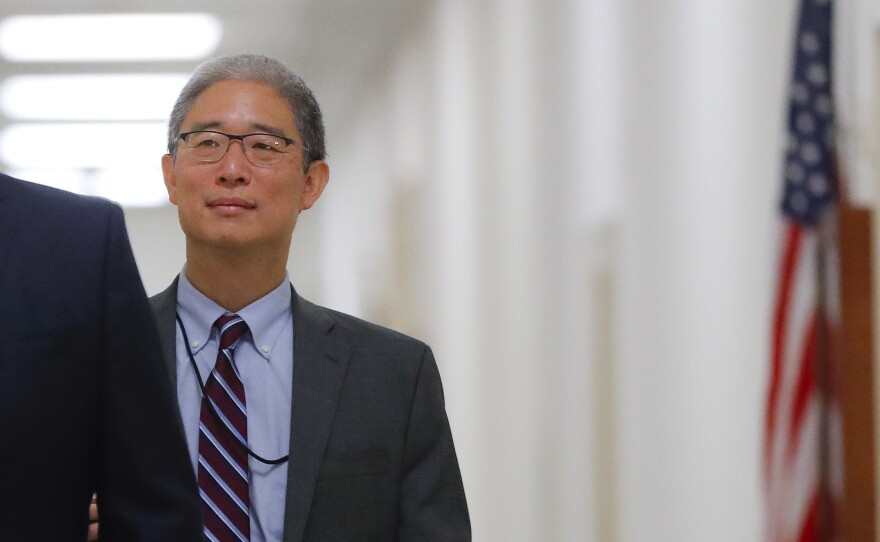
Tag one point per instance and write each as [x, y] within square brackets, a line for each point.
[223, 462]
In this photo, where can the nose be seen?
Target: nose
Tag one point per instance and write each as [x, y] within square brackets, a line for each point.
[234, 165]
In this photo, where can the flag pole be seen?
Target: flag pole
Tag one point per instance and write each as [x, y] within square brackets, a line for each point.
[825, 377]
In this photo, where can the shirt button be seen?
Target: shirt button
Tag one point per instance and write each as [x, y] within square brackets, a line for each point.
[266, 348]
[195, 344]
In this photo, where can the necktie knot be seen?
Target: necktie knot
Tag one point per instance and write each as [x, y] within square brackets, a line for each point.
[232, 327]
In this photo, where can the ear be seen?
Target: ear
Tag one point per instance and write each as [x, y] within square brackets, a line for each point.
[170, 175]
[315, 180]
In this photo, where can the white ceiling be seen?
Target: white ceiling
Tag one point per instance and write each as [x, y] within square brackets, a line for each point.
[335, 45]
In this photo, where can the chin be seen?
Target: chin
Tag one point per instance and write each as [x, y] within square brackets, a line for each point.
[233, 242]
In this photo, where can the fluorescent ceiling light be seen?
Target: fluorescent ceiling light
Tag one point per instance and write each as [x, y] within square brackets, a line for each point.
[138, 188]
[109, 37]
[129, 187]
[84, 145]
[90, 97]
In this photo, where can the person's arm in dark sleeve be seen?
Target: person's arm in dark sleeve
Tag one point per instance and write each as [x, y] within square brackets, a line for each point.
[432, 501]
[146, 485]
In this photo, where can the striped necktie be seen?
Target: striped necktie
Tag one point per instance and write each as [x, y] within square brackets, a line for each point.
[223, 462]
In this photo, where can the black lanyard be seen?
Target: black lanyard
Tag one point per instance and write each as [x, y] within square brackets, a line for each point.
[214, 413]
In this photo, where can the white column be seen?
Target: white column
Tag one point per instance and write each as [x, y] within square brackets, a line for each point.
[580, 143]
[452, 236]
[515, 362]
[704, 128]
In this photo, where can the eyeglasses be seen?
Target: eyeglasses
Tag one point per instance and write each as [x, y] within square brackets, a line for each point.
[260, 149]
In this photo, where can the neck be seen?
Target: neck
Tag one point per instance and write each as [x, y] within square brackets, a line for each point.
[234, 278]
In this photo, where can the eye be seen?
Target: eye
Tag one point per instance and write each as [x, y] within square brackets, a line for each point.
[263, 146]
[205, 141]
[265, 143]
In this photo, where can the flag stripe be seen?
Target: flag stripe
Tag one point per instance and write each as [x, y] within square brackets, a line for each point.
[791, 253]
[806, 381]
[810, 530]
[790, 256]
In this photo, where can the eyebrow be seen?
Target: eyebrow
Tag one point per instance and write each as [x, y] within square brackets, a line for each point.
[260, 127]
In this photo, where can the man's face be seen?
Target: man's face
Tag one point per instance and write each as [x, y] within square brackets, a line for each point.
[233, 203]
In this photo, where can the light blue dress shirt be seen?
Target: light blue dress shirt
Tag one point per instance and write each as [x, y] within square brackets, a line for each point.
[264, 359]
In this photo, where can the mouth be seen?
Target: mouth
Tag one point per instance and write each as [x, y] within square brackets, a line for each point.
[231, 206]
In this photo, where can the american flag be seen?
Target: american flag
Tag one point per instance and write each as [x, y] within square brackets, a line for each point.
[797, 417]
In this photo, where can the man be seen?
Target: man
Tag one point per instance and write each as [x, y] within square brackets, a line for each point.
[358, 408]
[85, 404]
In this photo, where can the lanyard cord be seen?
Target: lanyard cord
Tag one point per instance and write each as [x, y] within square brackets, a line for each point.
[214, 413]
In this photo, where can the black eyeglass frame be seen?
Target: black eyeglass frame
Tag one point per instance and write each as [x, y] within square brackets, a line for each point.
[240, 138]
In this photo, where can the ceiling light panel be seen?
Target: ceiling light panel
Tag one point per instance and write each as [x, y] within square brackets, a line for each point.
[90, 97]
[109, 37]
[83, 145]
[130, 187]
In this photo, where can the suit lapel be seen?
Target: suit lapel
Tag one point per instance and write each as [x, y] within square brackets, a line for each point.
[319, 365]
[164, 306]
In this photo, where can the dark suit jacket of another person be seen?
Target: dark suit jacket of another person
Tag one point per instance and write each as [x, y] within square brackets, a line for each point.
[371, 453]
[85, 402]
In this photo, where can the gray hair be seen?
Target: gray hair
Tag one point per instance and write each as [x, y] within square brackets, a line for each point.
[248, 67]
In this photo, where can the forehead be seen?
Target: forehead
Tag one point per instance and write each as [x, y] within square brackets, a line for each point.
[241, 106]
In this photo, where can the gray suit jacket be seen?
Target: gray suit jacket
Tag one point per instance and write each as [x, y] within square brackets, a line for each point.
[371, 453]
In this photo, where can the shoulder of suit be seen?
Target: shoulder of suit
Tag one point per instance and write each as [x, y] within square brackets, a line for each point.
[363, 331]
[165, 302]
[37, 197]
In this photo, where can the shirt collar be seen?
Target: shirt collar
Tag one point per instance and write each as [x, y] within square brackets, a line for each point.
[265, 317]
